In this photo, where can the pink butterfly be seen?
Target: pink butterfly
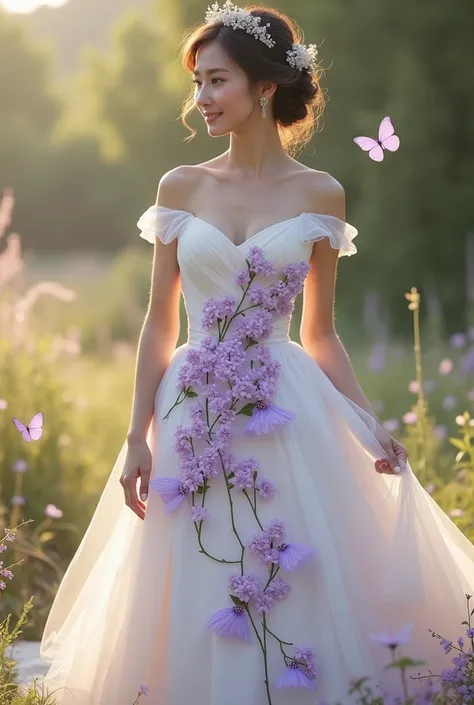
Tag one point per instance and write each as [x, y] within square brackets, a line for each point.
[387, 140]
[34, 430]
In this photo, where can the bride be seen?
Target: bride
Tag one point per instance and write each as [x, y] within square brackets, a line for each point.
[260, 525]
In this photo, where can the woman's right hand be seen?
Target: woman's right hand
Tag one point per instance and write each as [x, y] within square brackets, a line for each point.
[137, 465]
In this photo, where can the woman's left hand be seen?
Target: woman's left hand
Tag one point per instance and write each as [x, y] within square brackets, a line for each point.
[396, 458]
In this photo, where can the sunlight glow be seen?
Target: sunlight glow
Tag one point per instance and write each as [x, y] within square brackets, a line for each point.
[28, 5]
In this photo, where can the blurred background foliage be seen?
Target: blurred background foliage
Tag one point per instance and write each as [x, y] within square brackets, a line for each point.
[90, 94]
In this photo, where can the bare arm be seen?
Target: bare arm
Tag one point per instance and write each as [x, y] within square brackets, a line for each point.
[160, 330]
[317, 332]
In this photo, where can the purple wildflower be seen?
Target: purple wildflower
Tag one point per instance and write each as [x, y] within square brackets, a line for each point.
[393, 640]
[7, 573]
[278, 589]
[266, 489]
[143, 690]
[245, 586]
[3, 547]
[231, 622]
[470, 631]
[258, 264]
[295, 676]
[170, 490]
[2, 585]
[263, 602]
[275, 529]
[265, 417]
[199, 513]
[293, 555]
[20, 466]
[18, 500]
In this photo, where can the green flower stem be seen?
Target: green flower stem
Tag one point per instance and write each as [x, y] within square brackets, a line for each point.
[264, 652]
[253, 509]
[178, 401]
[272, 575]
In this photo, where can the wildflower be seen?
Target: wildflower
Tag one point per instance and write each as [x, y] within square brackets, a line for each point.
[17, 500]
[143, 690]
[199, 513]
[244, 586]
[393, 640]
[410, 417]
[231, 622]
[445, 366]
[53, 512]
[3, 404]
[20, 466]
[171, 490]
[265, 417]
[278, 589]
[266, 489]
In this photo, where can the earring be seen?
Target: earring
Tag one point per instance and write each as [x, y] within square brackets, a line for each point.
[264, 103]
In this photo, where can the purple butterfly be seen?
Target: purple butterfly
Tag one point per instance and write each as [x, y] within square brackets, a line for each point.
[34, 430]
[387, 140]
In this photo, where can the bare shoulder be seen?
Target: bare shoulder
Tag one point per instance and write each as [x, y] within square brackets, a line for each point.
[325, 194]
[175, 186]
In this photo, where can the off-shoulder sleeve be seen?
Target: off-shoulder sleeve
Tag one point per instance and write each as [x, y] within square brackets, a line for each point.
[164, 223]
[314, 226]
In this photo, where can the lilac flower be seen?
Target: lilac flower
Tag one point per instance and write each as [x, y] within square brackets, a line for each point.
[245, 586]
[53, 512]
[263, 602]
[143, 690]
[278, 589]
[199, 513]
[295, 676]
[258, 264]
[265, 417]
[275, 529]
[242, 277]
[3, 547]
[18, 500]
[260, 544]
[2, 585]
[393, 640]
[20, 466]
[266, 490]
[293, 555]
[410, 417]
[214, 311]
[256, 326]
[171, 491]
[470, 631]
[231, 622]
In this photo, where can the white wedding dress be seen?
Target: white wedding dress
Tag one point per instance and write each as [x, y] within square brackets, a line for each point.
[134, 605]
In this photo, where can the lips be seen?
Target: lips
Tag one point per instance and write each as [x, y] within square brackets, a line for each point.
[211, 117]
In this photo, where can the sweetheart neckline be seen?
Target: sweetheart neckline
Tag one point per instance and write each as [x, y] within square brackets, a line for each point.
[259, 232]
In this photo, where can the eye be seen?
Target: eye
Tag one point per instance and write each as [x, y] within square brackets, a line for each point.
[198, 83]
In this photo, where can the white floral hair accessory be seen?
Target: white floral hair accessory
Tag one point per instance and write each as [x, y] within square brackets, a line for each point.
[299, 56]
[236, 17]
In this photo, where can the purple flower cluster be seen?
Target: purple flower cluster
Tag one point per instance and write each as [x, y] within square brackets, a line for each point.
[232, 373]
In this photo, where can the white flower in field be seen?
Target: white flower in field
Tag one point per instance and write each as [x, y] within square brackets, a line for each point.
[461, 420]
[414, 387]
[457, 512]
[445, 366]
[459, 456]
[3, 404]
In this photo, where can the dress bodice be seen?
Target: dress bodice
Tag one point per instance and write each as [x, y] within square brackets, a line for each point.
[209, 260]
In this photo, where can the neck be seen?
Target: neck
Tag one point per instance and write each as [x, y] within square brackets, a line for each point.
[256, 152]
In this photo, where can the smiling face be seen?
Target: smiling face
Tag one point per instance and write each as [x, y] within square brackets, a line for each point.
[221, 87]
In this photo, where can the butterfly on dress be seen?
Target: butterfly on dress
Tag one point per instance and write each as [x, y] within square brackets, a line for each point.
[387, 140]
[34, 430]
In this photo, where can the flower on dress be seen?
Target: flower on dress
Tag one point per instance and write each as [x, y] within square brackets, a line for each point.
[231, 622]
[393, 640]
[265, 417]
[294, 555]
[295, 676]
[265, 487]
[199, 513]
[171, 491]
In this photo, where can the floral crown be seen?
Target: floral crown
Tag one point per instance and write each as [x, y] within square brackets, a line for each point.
[299, 56]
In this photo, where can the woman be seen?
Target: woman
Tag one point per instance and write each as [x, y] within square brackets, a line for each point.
[275, 526]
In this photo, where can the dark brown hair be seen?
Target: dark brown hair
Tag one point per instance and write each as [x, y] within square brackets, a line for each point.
[298, 101]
